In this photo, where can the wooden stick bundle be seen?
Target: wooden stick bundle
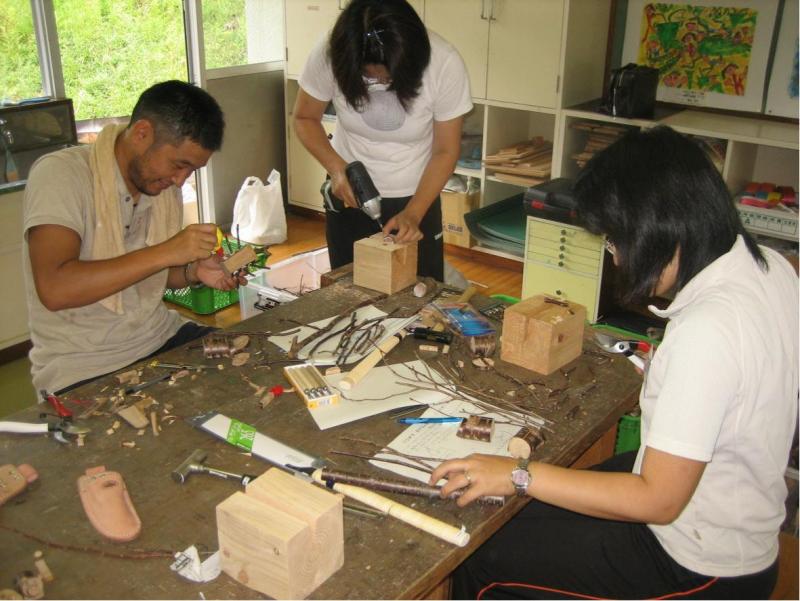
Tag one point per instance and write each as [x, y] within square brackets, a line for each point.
[446, 532]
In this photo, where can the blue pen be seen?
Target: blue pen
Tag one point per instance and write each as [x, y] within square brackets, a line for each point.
[429, 420]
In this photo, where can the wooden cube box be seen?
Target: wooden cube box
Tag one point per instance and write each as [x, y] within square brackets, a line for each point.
[542, 336]
[384, 266]
[282, 537]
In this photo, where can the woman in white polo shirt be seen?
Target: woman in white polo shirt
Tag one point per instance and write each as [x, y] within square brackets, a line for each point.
[696, 513]
[400, 93]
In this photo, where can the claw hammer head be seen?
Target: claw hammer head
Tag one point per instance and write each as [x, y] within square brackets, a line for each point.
[189, 466]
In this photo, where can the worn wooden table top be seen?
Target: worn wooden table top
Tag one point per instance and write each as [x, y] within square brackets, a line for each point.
[384, 558]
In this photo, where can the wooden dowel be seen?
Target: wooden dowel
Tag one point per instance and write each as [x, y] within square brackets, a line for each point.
[446, 532]
[370, 361]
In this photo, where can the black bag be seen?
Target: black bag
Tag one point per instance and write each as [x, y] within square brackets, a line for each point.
[631, 92]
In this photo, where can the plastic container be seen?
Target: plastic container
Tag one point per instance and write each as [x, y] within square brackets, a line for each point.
[204, 300]
[283, 282]
[628, 434]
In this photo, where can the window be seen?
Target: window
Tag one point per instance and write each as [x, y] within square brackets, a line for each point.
[242, 32]
[111, 50]
[20, 76]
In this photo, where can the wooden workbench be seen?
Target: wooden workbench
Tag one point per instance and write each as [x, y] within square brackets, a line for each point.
[384, 558]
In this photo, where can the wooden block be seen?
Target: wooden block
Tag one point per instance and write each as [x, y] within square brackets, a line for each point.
[283, 537]
[542, 336]
[134, 416]
[319, 508]
[239, 259]
[384, 266]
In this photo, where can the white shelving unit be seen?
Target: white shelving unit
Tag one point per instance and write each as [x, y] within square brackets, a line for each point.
[534, 67]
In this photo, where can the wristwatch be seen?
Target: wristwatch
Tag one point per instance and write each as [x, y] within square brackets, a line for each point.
[521, 477]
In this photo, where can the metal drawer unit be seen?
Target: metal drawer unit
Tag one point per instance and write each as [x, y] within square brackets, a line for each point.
[564, 261]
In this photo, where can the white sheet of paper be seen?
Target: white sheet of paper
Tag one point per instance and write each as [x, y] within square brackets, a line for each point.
[383, 383]
[324, 355]
[438, 442]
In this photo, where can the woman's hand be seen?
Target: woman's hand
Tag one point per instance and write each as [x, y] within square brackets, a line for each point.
[340, 187]
[480, 474]
[406, 224]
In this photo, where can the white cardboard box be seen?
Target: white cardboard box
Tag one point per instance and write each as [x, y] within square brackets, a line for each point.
[283, 282]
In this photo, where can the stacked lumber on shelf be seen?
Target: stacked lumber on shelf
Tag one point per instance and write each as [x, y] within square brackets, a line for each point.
[599, 137]
[525, 163]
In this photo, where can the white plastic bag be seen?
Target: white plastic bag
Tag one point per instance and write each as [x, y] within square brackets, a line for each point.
[258, 215]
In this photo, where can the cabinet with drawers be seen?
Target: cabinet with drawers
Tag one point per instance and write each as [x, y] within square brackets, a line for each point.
[563, 261]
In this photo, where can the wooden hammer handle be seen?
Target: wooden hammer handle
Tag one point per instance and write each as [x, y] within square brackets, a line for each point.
[370, 361]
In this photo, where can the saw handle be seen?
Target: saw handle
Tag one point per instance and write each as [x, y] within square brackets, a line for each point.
[24, 428]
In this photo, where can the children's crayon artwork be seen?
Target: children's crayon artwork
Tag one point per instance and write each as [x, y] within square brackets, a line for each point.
[708, 52]
[698, 47]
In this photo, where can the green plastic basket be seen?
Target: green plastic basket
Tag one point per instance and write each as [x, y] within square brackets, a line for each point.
[628, 434]
[204, 300]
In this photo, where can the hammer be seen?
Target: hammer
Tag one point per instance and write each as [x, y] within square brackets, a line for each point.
[193, 464]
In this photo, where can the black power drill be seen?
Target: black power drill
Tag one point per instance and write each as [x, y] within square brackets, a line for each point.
[367, 196]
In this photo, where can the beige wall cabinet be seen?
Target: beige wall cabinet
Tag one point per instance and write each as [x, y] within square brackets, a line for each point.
[14, 308]
[307, 21]
[547, 53]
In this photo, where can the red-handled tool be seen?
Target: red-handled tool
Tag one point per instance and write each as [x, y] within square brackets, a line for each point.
[56, 404]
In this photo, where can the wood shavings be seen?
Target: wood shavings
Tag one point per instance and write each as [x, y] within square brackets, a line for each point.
[429, 348]
[483, 362]
[333, 370]
[42, 567]
[154, 422]
[240, 359]
[128, 377]
[220, 366]
[80, 440]
[128, 444]
[167, 407]
[266, 400]
[134, 416]
[240, 342]
[140, 432]
[446, 349]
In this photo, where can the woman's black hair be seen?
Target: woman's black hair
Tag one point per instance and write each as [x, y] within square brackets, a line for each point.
[654, 192]
[383, 32]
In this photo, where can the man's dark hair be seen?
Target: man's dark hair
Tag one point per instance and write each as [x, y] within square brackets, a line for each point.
[651, 193]
[180, 110]
[382, 32]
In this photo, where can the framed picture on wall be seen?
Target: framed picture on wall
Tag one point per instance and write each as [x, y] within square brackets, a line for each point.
[782, 94]
[709, 53]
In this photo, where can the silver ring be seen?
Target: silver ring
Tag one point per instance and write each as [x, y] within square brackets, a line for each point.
[468, 477]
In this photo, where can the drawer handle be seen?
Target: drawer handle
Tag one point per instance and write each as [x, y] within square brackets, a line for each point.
[563, 232]
[563, 239]
[561, 256]
[562, 246]
[561, 263]
[558, 292]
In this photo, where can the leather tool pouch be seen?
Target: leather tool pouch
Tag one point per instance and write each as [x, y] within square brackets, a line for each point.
[631, 92]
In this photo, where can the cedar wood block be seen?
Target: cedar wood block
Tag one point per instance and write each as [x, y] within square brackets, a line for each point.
[239, 259]
[320, 509]
[542, 336]
[385, 267]
[281, 538]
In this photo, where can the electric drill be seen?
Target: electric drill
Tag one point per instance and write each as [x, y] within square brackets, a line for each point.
[367, 196]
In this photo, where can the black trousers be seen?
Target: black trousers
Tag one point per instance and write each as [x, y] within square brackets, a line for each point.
[546, 552]
[186, 333]
[344, 228]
